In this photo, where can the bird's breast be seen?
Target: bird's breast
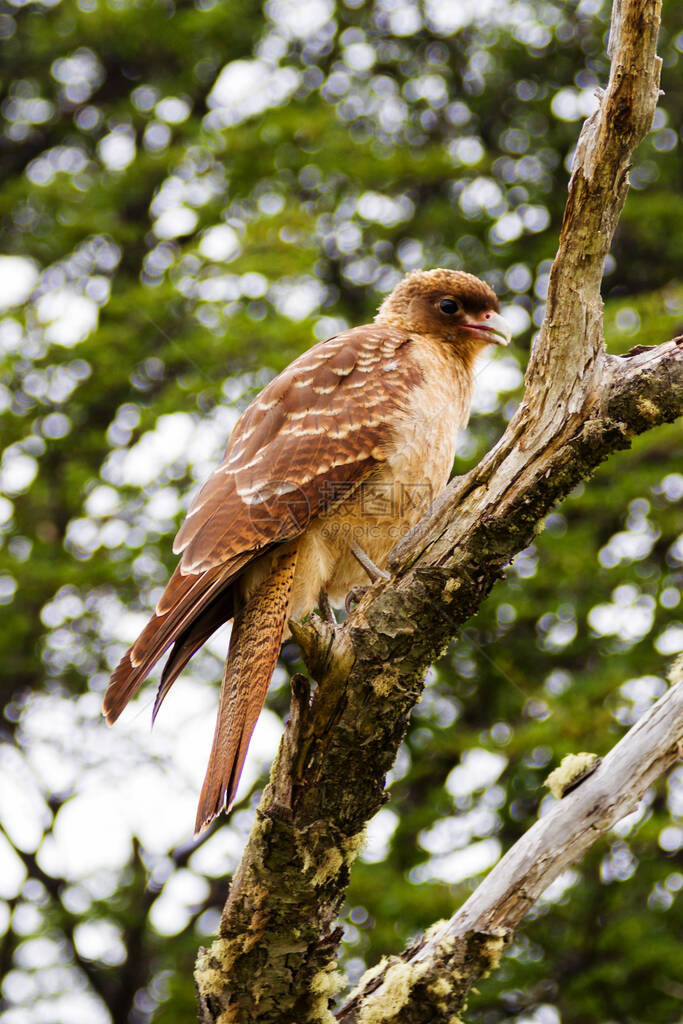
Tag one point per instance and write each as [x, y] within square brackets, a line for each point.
[426, 431]
[382, 509]
[418, 463]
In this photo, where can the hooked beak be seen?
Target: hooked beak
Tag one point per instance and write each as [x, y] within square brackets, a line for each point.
[491, 327]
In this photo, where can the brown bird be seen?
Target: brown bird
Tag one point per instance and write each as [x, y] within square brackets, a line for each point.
[327, 468]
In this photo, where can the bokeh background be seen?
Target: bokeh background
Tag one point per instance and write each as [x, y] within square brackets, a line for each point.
[192, 192]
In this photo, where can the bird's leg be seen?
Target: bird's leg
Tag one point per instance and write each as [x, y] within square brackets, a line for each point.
[325, 608]
[374, 572]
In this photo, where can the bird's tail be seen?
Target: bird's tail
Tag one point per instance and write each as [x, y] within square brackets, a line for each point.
[254, 647]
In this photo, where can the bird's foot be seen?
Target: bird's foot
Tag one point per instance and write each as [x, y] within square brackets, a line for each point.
[373, 571]
[354, 596]
[325, 609]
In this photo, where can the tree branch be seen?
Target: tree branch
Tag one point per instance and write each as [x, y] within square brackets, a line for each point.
[431, 981]
[274, 958]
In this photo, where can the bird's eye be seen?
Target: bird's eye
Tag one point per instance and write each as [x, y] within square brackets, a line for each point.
[449, 306]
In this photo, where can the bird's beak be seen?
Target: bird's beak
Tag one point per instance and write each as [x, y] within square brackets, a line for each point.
[491, 327]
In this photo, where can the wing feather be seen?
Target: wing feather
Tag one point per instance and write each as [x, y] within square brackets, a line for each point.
[324, 423]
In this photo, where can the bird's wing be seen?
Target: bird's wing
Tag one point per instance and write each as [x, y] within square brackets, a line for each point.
[324, 422]
[320, 427]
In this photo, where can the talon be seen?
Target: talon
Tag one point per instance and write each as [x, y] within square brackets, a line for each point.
[354, 596]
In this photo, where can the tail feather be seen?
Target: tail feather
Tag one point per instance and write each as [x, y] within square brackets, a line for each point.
[254, 647]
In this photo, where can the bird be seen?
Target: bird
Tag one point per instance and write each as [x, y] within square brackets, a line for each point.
[328, 467]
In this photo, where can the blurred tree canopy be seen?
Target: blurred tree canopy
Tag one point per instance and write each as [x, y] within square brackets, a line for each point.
[192, 192]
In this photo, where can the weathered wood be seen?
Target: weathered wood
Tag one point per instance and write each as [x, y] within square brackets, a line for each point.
[437, 974]
[273, 962]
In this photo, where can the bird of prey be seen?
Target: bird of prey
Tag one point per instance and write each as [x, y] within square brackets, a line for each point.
[326, 469]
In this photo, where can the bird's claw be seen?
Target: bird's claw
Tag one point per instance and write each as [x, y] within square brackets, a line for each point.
[354, 596]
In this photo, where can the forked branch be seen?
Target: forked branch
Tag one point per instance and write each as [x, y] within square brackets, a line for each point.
[274, 959]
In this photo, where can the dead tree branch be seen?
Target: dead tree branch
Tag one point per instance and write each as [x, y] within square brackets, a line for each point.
[430, 982]
[274, 957]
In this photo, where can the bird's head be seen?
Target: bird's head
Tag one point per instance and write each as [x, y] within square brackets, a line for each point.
[448, 304]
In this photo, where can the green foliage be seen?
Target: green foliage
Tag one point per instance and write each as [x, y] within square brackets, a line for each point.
[181, 236]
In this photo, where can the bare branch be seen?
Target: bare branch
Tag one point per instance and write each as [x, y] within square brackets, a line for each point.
[460, 951]
[571, 338]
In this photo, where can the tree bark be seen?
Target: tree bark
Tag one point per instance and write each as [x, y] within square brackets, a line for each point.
[274, 959]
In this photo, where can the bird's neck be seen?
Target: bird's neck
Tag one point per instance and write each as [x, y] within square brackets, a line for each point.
[452, 362]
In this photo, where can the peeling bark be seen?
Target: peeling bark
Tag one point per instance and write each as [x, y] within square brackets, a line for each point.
[274, 959]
